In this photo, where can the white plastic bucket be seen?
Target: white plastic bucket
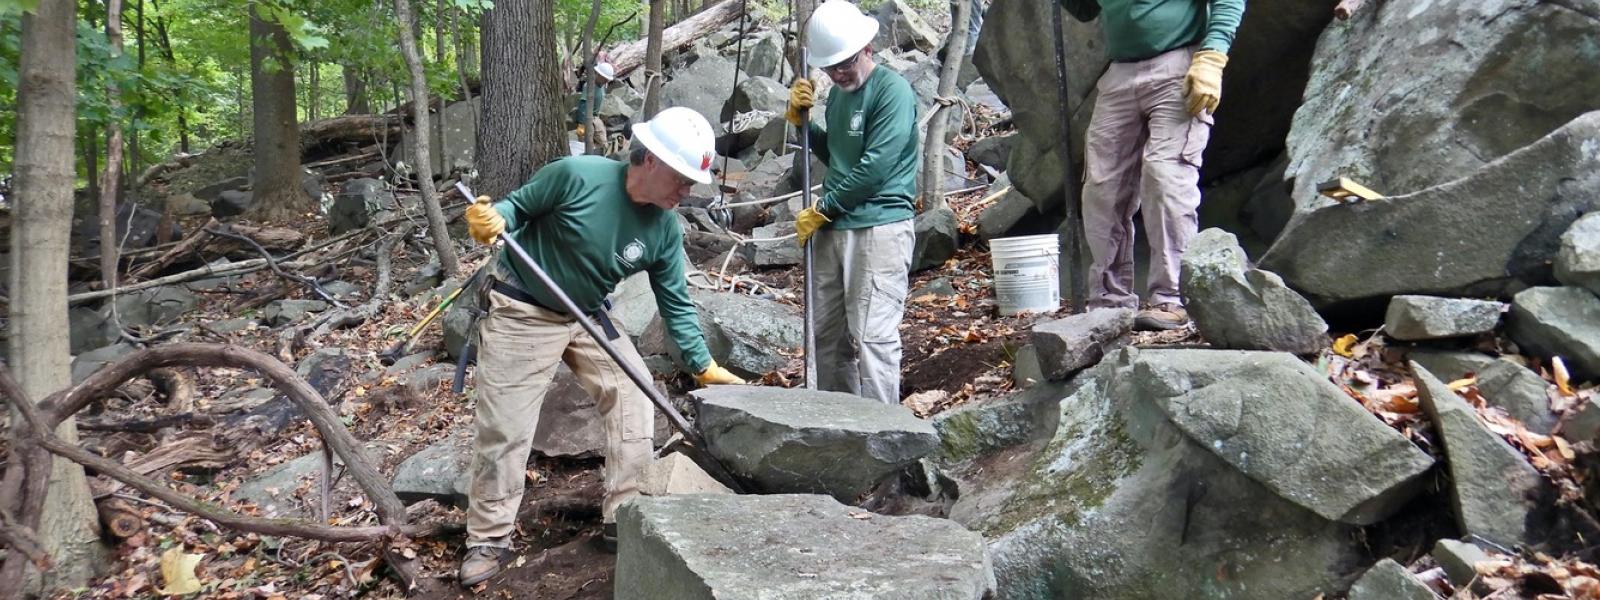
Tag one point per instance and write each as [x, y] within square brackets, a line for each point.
[1026, 273]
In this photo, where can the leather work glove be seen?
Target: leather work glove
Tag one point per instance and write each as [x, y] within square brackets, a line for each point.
[580, 131]
[807, 222]
[802, 96]
[1202, 86]
[715, 375]
[484, 223]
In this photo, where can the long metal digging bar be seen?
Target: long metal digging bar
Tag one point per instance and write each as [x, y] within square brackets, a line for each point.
[810, 202]
[696, 448]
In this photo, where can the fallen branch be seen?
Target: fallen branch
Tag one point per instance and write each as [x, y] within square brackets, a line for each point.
[193, 243]
[343, 160]
[351, 128]
[119, 519]
[178, 387]
[21, 539]
[630, 55]
[277, 269]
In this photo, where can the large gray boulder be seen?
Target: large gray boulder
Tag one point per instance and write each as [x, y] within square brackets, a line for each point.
[569, 419]
[992, 151]
[1564, 322]
[1488, 233]
[1409, 99]
[1010, 211]
[899, 26]
[1522, 393]
[744, 334]
[985, 426]
[633, 305]
[1236, 306]
[773, 251]
[284, 312]
[356, 202]
[1266, 74]
[152, 307]
[455, 150]
[701, 85]
[1413, 318]
[791, 547]
[1578, 261]
[807, 441]
[85, 364]
[763, 55]
[1068, 345]
[756, 93]
[1494, 489]
[1282, 423]
[1121, 504]
[938, 234]
[441, 471]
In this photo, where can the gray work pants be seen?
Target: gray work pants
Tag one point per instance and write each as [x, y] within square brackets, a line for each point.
[861, 280]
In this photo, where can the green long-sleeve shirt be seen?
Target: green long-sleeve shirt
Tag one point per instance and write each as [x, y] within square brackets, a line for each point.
[870, 147]
[595, 92]
[575, 219]
[1140, 29]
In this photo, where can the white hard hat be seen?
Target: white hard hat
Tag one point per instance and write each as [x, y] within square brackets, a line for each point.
[836, 31]
[605, 70]
[681, 138]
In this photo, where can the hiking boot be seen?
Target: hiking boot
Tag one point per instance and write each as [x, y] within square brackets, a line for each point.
[1161, 317]
[481, 563]
[608, 537]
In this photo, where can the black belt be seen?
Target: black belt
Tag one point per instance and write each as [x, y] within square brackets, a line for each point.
[600, 316]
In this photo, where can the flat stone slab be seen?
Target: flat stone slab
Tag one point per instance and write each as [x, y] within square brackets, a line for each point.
[1459, 560]
[1559, 321]
[807, 441]
[1239, 307]
[791, 547]
[1493, 487]
[1578, 260]
[1066, 346]
[1282, 423]
[678, 474]
[440, 471]
[1413, 318]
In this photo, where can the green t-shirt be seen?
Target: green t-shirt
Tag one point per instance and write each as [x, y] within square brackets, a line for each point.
[1140, 29]
[576, 221]
[870, 147]
[598, 93]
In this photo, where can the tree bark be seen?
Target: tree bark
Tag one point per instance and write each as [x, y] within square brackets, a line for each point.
[652, 58]
[420, 142]
[355, 92]
[461, 62]
[111, 178]
[68, 527]
[277, 194]
[802, 15]
[134, 162]
[164, 36]
[520, 128]
[586, 79]
[630, 56]
[933, 146]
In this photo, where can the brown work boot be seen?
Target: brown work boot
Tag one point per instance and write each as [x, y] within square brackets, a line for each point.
[1161, 317]
[481, 563]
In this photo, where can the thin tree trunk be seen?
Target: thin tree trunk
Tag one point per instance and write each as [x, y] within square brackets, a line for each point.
[164, 36]
[420, 142]
[134, 162]
[585, 80]
[652, 58]
[38, 309]
[91, 146]
[111, 178]
[277, 195]
[314, 94]
[933, 149]
[355, 91]
[520, 129]
[802, 10]
[438, 32]
[461, 63]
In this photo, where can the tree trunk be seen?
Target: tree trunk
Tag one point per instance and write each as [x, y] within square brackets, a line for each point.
[802, 15]
[91, 150]
[520, 128]
[111, 178]
[38, 309]
[314, 92]
[438, 32]
[630, 56]
[134, 162]
[163, 35]
[459, 42]
[420, 141]
[586, 79]
[652, 58]
[355, 92]
[933, 148]
[277, 193]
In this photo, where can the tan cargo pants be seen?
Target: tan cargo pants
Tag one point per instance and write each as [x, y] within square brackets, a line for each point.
[1143, 152]
[521, 345]
[861, 280]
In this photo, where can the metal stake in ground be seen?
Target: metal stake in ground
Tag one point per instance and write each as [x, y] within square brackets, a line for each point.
[1070, 188]
[695, 449]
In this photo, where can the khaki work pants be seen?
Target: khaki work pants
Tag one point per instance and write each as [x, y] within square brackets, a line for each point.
[861, 280]
[521, 345]
[1143, 155]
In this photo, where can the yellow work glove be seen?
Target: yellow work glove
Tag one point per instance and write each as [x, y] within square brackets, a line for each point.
[484, 223]
[807, 222]
[802, 96]
[580, 131]
[1202, 86]
[715, 375]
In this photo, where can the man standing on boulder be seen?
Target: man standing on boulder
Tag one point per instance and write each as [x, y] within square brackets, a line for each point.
[862, 223]
[590, 222]
[1142, 152]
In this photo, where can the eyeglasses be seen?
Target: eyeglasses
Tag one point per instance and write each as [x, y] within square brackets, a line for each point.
[844, 66]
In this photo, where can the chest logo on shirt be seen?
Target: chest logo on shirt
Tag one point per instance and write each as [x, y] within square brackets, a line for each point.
[631, 253]
[857, 121]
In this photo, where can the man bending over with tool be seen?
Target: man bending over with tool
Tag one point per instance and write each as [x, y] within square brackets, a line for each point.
[590, 222]
[862, 223]
[1150, 125]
